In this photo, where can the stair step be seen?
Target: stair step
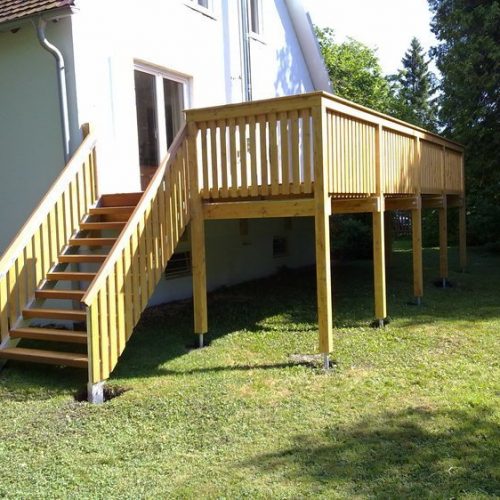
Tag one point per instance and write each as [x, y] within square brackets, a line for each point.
[125, 210]
[70, 314]
[70, 276]
[120, 199]
[47, 357]
[51, 334]
[92, 242]
[59, 294]
[75, 258]
[101, 226]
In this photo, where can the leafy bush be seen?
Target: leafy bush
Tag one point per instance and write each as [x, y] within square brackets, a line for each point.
[351, 236]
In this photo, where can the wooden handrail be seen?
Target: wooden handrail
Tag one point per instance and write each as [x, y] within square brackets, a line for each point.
[115, 252]
[29, 228]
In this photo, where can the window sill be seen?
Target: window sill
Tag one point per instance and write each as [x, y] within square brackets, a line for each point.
[202, 10]
[256, 37]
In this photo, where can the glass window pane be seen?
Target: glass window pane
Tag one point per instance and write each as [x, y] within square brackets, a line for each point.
[174, 106]
[147, 123]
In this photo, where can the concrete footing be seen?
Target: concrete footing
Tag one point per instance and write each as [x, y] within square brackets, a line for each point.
[95, 393]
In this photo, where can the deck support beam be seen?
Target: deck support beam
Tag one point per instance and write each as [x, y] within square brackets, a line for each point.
[322, 206]
[418, 273]
[462, 237]
[379, 266]
[443, 242]
[197, 241]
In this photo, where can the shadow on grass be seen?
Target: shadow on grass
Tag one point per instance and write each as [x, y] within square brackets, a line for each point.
[397, 455]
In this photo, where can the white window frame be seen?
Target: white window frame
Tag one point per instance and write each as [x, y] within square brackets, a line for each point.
[251, 6]
[208, 11]
[160, 74]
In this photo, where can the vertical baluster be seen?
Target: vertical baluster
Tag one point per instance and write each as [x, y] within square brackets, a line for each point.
[110, 290]
[264, 164]
[233, 186]
[294, 119]
[242, 128]
[285, 153]
[4, 309]
[215, 163]
[223, 154]
[273, 152]
[103, 334]
[254, 182]
[306, 140]
[205, 184]
[120, 303]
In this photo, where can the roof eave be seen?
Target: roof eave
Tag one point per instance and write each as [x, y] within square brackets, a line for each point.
[49, 15]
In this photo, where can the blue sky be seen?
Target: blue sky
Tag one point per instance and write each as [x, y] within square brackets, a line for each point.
[387, 25]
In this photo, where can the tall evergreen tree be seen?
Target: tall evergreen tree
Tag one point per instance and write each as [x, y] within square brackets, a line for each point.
[414, 85]
[468, 58]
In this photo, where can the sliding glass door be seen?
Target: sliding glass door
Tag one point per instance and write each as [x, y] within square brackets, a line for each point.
[160, 102]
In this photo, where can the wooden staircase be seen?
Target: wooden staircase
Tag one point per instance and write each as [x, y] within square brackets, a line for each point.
[54, 319]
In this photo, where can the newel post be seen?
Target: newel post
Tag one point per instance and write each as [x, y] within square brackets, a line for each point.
[197, 226]
[323, 210]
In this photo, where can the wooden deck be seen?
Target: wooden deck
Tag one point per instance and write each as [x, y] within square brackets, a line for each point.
[309, 155]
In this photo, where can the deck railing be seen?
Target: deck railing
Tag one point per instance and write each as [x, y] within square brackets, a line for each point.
[127, 279]
[36, 247]
[265, 148]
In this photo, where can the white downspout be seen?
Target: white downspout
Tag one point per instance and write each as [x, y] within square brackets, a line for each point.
[61, 78]
[246, 59]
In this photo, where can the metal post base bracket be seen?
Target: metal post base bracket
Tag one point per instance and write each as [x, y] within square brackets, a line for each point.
[95, 393]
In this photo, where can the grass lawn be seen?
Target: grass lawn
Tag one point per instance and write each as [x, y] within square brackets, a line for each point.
[408, 411]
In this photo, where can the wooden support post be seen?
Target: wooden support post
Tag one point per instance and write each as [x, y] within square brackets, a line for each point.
[462, 237]
[443, 242]
[379, 265]
[197, 240]
[379, 280]
[322, 230]
[418, 273]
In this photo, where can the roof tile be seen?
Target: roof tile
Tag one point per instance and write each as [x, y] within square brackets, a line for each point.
[12, 10]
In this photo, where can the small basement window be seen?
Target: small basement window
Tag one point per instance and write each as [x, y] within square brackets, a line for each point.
[280, 246]
[178, 266]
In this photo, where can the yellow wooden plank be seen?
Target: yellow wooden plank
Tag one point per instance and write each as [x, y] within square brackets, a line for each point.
[273, 153]
[242, 132]
[443, 241]
[254, 183]
[295, 144]
[135, 269]
[4, 310]
[30, 265]
[322, 231]
[285, 153]
[418, 273]
[14, 310]
[94, 355]
[110, 290]
[143, 266]
[259, 209]
[379, 265]
[37, 250]
[204, 188]
[224, 191]
[264, 163]
[462, 237]
[103, 334]
[233, 186]
[121, 305]
[306, 140]
[213, 150]
[128, 292]
[157, 267]
[22, 276]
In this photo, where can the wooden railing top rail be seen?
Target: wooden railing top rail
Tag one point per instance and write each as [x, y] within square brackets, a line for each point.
[301, 101]
[123, 239]
[27, 231]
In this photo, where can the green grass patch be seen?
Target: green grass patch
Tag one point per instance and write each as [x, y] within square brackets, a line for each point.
[408, 411]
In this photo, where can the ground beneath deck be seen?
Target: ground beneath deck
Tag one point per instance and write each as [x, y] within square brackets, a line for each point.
[411, 410]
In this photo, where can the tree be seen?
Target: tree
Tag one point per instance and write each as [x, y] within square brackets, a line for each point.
[468, 57]
[355, 72]
[414, 86]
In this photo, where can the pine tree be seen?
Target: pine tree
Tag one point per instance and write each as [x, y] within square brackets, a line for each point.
[414, 85]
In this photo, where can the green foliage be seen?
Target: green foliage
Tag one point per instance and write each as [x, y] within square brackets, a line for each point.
[355, 72]
[351, 236]
[468, 57]
[414, 86]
